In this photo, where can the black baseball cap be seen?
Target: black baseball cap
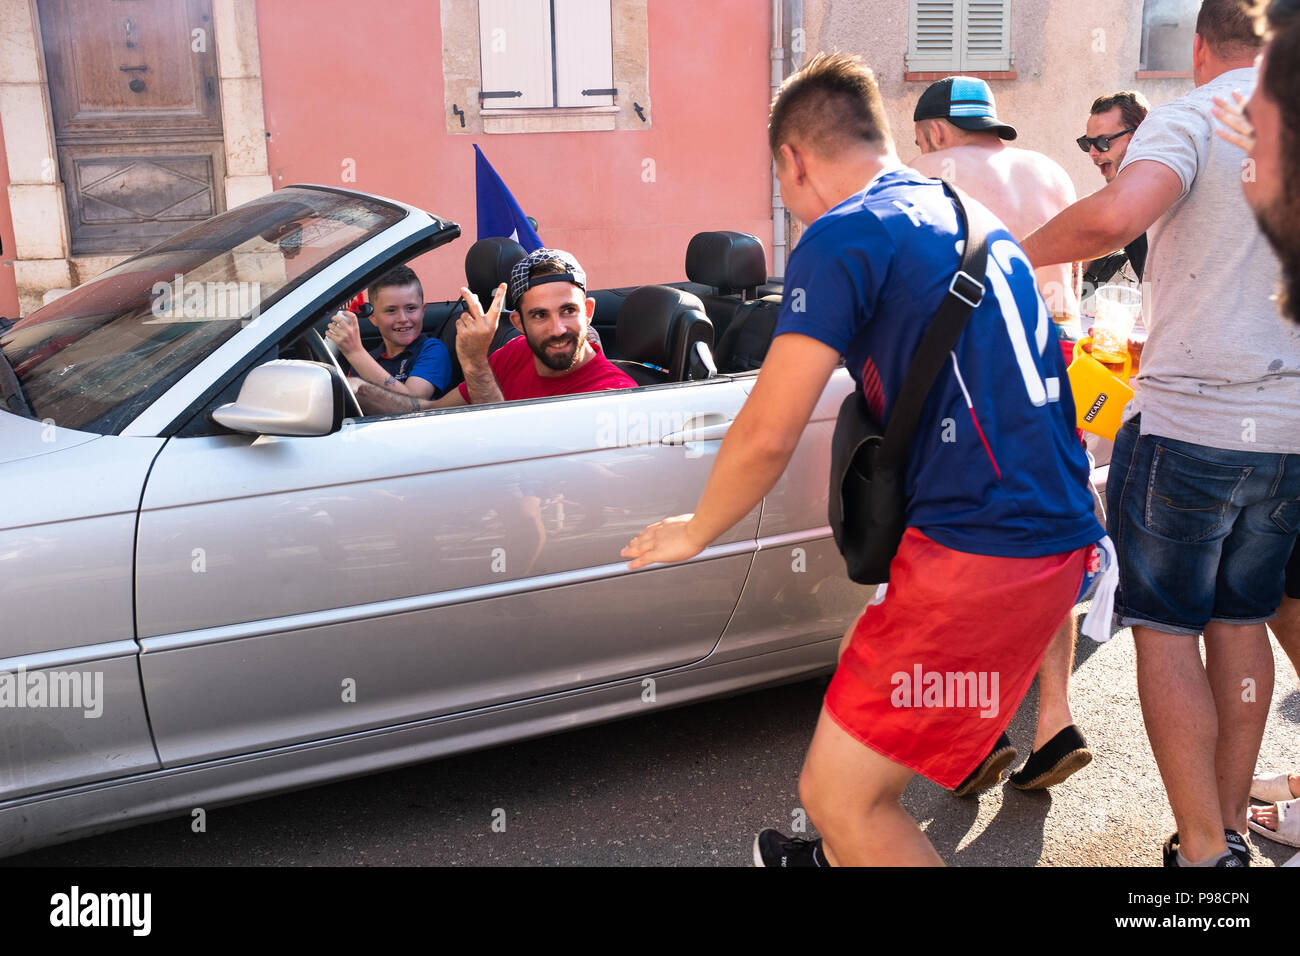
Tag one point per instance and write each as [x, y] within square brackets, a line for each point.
[964, 101]
[521, 281]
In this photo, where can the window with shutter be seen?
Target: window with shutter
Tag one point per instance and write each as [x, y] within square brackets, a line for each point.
[968, 36]
[933, 28]
[539, 54]
[584, 61]
[515, 52]
[545, 66]
[986, 32]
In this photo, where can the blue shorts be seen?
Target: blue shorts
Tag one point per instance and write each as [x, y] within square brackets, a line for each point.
[1203, 534]
[1293, 575]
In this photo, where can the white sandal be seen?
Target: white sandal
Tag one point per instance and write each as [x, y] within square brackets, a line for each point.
[1288, 823]
[1271, 787]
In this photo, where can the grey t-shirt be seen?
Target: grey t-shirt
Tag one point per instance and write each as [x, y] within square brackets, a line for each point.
[1221, 367]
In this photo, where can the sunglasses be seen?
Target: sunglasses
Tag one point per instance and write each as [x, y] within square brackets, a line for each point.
[1102, 142]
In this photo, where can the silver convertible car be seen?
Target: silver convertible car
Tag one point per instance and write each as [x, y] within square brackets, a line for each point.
[221, 580]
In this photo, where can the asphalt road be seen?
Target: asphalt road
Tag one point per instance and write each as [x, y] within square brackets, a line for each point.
[690, 787]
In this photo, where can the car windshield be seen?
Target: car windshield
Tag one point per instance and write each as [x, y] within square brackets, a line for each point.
[95, 358]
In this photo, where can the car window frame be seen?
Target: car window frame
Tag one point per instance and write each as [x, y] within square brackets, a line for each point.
[437, 233]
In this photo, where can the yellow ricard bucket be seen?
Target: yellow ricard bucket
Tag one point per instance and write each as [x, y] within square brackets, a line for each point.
[1099, 395]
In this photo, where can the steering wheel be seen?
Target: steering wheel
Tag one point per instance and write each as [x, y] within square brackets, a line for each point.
[321, 352]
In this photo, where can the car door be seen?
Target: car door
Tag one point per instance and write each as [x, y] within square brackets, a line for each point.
[71, 707]
[798, 591]
[294, 589]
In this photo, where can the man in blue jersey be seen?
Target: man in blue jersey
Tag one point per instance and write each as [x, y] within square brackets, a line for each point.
[998, 513]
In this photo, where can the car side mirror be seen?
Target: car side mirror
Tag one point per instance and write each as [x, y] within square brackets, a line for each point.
[286, 397]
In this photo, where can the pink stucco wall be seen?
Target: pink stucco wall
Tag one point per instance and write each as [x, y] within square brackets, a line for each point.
[340, 85]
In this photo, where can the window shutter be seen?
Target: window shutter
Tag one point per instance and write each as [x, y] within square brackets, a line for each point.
[933, 27]
[987, 35]
[584, 55]
[515, 51]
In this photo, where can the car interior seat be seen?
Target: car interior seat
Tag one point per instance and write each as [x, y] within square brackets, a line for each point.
[735, 266]
[660, 330]
[732, 265]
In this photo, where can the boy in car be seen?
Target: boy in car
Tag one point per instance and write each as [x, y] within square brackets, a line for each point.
[407, 361]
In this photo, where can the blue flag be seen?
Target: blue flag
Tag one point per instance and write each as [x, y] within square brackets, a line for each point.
[498, 212]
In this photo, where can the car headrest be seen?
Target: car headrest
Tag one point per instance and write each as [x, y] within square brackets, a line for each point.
[488, 264]
[648, 320]
[728, 261]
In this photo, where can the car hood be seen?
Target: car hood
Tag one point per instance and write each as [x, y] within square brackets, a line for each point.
[26, 438]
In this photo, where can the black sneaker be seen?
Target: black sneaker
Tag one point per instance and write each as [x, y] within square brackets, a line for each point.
[1239, 854]
[773, 848]
[1238, 845]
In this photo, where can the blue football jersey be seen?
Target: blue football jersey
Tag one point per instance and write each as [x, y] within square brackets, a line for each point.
[996, 466]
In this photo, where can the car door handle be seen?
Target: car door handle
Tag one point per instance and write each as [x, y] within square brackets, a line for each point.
[697, 432]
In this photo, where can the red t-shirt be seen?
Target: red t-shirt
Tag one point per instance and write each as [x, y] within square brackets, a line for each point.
[516, 373]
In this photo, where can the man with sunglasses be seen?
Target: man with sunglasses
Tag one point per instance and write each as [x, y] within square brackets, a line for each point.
[1112, 121]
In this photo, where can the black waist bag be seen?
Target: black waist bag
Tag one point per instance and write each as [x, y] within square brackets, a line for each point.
[867, 503]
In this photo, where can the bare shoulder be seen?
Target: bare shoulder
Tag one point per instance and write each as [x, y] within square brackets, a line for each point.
[1047, 172]
[929, 164]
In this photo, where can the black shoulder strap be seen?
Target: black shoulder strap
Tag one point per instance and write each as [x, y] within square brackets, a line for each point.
[1137, 254]
[965, 293]
[1100, 270]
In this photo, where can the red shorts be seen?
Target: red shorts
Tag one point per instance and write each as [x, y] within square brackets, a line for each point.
[934, 673]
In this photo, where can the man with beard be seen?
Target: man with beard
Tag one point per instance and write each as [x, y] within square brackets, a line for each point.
[1200, 498]
[1267, 130]
[549, 304]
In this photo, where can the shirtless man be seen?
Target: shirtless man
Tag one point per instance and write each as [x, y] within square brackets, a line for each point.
[963, 141]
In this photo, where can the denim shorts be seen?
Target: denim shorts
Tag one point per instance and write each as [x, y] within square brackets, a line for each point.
[1203, 534]
[1293, 575]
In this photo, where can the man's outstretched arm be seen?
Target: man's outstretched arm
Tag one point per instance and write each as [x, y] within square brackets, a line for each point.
[753, 455]
[382, 401]
[1109, 219]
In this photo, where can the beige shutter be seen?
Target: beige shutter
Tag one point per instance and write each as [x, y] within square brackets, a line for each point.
[986, 30]
[515, 50]
[583, 52]
[933, 28]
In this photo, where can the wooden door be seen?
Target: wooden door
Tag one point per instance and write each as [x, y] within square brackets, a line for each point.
[137, 118]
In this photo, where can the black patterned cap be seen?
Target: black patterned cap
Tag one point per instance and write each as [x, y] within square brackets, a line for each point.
[521, 281]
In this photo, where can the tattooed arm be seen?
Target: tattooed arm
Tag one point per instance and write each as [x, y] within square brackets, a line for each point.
[382, 401]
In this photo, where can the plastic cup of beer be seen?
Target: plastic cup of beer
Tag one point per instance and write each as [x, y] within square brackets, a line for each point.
[1118, 309]
[1137, 340]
